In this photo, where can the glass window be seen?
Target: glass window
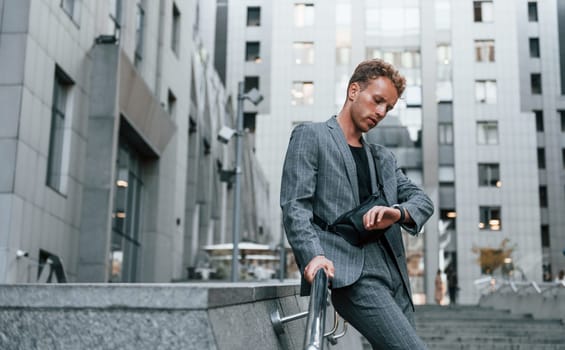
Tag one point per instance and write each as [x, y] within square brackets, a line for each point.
[535, 82]
[532, 11]
[127, 216]
[541, 158]
[343, 55]
[543, 196]
[545, 242]
[487, 132]
[489, 175]
[343, 45]
[253, 16]
[484, 50]
[139, 28]
[249, 121]
[303, 52]
[539, 120]
[563, 157]
[171, 103]
[448, 216]
[444, 54]
[445, 133]
[485, 91]
[253, 51]
[59, 139]
[534, 47]
[303, 15]
[562, 115]
[302, 93]
[251, 82]
[175, 30]
[483, 11]
[490, 218]
[446, 175]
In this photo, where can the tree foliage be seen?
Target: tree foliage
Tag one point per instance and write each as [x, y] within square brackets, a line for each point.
[490, 259]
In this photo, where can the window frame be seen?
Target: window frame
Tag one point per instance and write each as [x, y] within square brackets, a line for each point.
[489, 175]
[480, 9]
[139, 33]
[541, 158]
[306, 99]
[175, 29]
[250, 21]
[543, 196]
[488, 214]
[487, 126]
[485, 51]
[58, 157]
[445, 133]
[533, 11]
[484, 89]
[249, 51]
[533, 44]
[305, 52]
[308, 15]
[536, 83]
[538, 113]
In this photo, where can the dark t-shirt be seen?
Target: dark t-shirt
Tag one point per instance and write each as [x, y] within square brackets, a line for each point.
[363, 174]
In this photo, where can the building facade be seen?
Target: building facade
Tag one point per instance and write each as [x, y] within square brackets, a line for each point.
[480, 126]
[111, 162]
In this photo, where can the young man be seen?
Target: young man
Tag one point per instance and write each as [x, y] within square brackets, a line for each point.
[330, 169]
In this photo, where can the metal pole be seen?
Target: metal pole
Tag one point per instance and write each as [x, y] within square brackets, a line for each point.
[282, 258]
[237, 194]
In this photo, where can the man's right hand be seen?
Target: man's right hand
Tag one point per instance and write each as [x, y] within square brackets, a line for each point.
[318, 262]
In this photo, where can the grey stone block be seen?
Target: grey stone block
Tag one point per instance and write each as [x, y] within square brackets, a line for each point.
[152, 316]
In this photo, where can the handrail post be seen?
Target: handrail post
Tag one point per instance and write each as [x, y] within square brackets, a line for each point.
[315, 326]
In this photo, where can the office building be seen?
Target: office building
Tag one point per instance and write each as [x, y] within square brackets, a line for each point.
[110, 161]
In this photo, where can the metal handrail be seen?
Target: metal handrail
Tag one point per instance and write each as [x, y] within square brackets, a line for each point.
[316, 313]
[315, 325]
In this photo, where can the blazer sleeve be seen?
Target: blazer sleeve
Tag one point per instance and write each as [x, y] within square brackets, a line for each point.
[414, 200]
[298, 185]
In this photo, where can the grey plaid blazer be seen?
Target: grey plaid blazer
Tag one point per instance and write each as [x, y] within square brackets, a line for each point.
[320, 176]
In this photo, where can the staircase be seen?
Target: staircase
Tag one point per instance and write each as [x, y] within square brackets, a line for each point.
[477, 328]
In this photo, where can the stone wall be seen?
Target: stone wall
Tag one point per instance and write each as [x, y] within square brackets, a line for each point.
[154, 316]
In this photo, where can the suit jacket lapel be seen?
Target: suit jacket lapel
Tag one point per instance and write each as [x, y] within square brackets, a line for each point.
[372, 166]
[383, 172]
[343, 147]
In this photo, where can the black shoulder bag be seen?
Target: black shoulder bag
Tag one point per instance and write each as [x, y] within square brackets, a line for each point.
[350, 224]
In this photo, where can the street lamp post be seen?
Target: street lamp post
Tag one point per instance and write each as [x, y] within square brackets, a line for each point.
[255, 97]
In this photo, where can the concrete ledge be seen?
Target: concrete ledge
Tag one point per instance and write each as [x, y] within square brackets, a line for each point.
[189, 296]
[154, 316]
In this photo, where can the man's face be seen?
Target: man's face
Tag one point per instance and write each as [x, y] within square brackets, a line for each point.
[370, 105]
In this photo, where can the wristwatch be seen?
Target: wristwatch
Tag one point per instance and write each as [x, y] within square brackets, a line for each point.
[402, 214]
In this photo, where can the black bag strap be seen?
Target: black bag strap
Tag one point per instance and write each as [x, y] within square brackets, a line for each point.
[323, 225]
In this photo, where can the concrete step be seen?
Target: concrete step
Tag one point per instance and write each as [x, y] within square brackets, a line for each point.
[493, 338]
[475, 328]
[444, 346]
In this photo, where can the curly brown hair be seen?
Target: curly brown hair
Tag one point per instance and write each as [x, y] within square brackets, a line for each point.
[374, 68]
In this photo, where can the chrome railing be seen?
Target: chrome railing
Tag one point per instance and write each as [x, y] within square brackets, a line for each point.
[316, 317]
[316, 324]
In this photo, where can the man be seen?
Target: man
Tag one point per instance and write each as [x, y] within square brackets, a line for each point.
[329, 169]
